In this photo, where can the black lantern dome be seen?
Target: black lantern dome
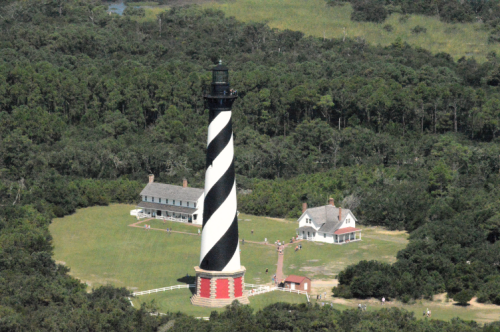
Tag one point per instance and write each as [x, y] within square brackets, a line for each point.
[221, 96]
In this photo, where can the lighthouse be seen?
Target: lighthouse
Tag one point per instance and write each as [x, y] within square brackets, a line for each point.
[220, 276]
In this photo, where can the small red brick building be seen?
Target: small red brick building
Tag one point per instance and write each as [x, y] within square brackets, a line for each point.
[298, 283]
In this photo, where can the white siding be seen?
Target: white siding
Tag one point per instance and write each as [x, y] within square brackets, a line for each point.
[351, 223]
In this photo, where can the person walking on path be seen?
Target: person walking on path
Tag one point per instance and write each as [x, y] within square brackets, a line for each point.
[267, 270]
[145, 226]
[383, 300]
[199, 231]
[252, 231]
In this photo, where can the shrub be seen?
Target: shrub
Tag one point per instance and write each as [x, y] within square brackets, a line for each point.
[463, 297]
[388, 28]
[134, 11]
[342, 291]
[418, 29]
[494, 37]
[404, 18]
[490, 291]
[369, 11]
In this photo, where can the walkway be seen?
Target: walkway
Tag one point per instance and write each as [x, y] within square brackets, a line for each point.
[158, 229]
[279, 267]
[281, 257]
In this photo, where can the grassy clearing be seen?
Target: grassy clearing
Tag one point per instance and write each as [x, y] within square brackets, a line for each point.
[100, 248]
[315, 18]
[325, 261]
[179, 300]
[440, 310]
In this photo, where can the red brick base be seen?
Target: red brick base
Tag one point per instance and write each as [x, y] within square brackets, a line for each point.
[217, 289]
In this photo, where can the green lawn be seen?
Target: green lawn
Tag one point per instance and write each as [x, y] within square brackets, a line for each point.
[324, 261]
[442, 311]
[315, 18]
[100, 248]
[179, 300]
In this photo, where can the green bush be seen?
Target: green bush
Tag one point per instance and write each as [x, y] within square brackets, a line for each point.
[134, 11]
[369, 11]
[418, 29]
[464, 296]
[490, 291]
[342, 291]
[388, 28]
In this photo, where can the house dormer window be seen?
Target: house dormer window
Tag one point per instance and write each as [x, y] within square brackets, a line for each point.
[194, 204]
[180, 203]
[173, 202]
[166, 201]
[187, 204]
[159, 200]
[152, 199]
[145, 198]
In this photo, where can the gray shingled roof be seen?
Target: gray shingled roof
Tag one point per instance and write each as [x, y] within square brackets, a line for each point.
[328, 217]
[166, 207]
[306, 229]
[170, 191]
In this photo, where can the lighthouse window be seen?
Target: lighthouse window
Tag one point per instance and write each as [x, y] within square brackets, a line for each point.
[220, 76]
[195, 216]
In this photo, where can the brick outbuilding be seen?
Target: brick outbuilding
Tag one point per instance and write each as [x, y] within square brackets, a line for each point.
[298, 283]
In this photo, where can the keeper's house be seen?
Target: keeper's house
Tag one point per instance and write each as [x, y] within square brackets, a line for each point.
[169, 202]
[328, 224]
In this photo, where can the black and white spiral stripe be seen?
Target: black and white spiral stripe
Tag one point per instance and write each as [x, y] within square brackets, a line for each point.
[219, 242]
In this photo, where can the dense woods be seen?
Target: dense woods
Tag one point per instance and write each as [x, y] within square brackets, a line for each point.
[91, 103]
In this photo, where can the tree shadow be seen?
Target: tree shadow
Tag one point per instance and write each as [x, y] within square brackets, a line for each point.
[463, 305]
[189, 280]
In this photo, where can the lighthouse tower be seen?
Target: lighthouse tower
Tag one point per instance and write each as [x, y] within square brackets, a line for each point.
[220, 277]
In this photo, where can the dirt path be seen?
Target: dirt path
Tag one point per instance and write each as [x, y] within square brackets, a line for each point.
[281, 258]
[158, 229]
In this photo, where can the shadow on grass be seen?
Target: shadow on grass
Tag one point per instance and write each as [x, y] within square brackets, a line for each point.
[462, 305]
[189, 280]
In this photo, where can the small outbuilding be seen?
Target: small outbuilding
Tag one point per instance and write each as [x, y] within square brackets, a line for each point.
[298, 283]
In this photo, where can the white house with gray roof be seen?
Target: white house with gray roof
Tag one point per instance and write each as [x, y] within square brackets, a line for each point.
[170, 202]
[328, 224]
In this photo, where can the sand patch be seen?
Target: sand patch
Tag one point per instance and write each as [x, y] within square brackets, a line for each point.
[391, 232]
[324, 270]
[61, 262]
[313, 260]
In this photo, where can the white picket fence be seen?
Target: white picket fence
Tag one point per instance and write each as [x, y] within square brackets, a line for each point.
[164, 289]
[261, 289]
[172, 219]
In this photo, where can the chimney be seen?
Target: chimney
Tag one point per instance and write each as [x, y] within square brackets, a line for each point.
[184, 183]
[151, 178]
[331, 202]
[304, 207]
[340, 214]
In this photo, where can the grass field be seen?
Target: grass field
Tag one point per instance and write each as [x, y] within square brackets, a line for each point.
[315, 18]
[179, 300]
[100, 249]
[325, 261]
